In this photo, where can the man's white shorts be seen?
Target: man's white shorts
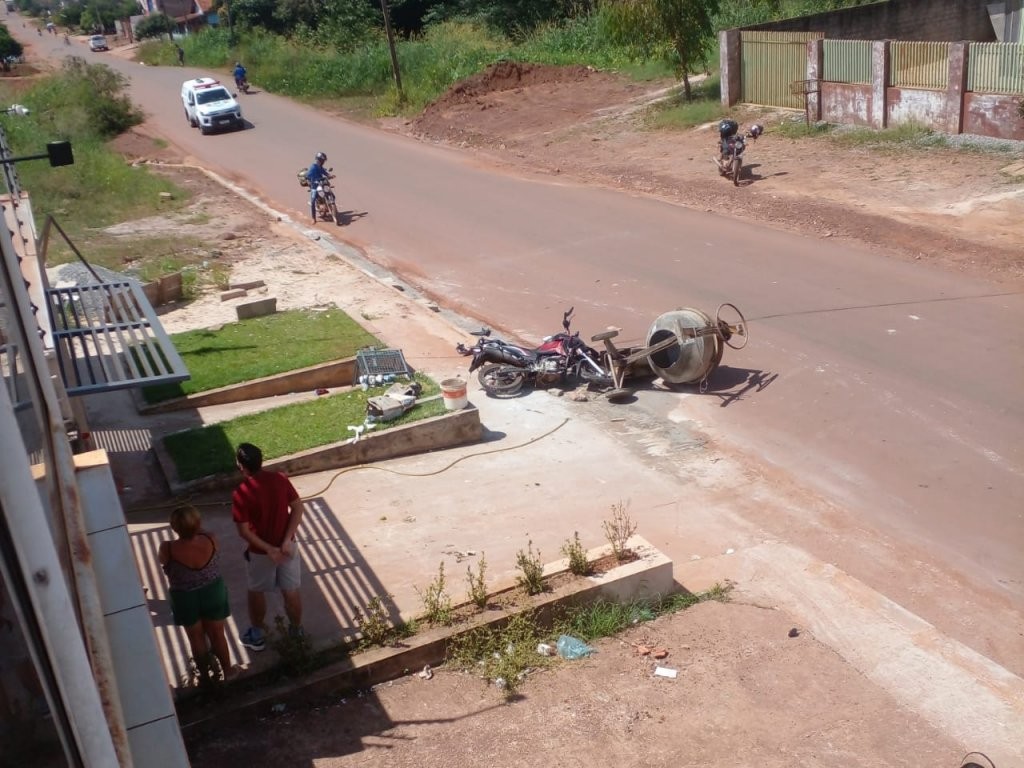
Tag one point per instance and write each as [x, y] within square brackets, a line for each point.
[265, 576]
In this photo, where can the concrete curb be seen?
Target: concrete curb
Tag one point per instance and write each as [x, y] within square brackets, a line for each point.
[449, 430]
[648, 577]
[332, 374]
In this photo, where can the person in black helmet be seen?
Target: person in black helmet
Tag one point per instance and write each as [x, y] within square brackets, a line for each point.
[240, 77]
[315, 175]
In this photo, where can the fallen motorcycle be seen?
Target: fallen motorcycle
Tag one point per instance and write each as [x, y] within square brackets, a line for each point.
[503, 368]
[683, 346]
[731, 147]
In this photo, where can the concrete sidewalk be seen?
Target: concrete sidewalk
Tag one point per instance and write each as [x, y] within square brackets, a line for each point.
[550, 467]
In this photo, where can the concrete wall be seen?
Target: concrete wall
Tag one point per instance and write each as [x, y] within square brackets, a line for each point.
[988, 114]
[912, 105]
[899, 20]
[730, 65]
[154, 735]
[846, 104]
[951, 110]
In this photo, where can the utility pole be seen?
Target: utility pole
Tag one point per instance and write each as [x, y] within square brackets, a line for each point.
[391, 47]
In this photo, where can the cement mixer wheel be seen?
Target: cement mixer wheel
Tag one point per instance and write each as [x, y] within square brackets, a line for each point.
[734, 334]
[619, 395]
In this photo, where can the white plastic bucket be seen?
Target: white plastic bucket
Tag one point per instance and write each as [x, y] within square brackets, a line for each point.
[453, 392]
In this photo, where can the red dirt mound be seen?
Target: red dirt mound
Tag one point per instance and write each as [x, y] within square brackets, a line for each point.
[505, 76]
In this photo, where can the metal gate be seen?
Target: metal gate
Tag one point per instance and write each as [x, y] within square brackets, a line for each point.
[770, 62]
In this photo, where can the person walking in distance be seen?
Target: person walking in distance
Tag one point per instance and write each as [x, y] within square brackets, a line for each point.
[199, 597]
[267, 510]
[181, 55]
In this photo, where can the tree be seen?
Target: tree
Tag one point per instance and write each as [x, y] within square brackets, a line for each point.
[516, 18]
[645, 27]
[155, 25]
[9, 49]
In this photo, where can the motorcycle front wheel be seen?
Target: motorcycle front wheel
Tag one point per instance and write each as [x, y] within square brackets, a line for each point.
[737, 164]
[332, 207]
[501, 380]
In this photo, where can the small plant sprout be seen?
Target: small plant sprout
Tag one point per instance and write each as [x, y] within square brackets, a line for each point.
[532, 578]
[573, 549]
[618, 530]
[373, 622]
[437, 604]
[478, 583]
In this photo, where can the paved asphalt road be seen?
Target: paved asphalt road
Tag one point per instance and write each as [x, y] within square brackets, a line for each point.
[893, 389]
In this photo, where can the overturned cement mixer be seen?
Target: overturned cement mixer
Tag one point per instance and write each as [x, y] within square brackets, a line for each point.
[684, 346]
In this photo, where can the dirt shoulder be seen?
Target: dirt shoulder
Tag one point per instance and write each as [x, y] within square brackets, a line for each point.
[746, 693]
[954, 208]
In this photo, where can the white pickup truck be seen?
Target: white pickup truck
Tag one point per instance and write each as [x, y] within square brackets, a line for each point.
[210, 106]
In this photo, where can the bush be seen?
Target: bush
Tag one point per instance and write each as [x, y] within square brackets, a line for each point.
[532, 571]
[9, 47]
[85, 101]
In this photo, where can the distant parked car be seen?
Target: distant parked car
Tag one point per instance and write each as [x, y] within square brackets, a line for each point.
[98, 43]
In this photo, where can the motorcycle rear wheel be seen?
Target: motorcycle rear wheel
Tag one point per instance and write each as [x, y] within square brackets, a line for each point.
[501, 380]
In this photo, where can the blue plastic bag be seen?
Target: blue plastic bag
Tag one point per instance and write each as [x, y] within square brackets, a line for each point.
[572, 648]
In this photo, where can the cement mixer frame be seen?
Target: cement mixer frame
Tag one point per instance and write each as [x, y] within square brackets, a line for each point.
[688, 327]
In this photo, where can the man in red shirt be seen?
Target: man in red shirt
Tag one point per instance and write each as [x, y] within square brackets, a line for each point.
[267, 510]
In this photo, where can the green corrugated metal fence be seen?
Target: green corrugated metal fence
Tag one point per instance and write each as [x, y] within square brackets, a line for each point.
[918, 65]
[847, 61]
[770, 63]
[995, 67]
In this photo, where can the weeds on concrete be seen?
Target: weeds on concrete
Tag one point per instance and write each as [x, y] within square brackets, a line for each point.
[374, 625]
[478, 583]
[532, 578]
[437, 603]
[294, 650]
[577, 555]
[618, 530]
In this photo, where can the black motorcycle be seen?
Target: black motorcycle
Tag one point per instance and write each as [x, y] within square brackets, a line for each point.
[731, 146]
[504, 368]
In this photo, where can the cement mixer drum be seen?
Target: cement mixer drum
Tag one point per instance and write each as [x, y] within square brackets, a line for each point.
[696, 353]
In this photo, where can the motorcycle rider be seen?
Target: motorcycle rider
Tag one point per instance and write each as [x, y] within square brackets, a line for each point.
[316, 174]
[240, 81]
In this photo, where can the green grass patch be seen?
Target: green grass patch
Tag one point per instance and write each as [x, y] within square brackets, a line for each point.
[262, 346]
[360, 77]
[676, 113]
[897, 137]
[86, 105]
[799, 129]
[282, 431]
[605, 618]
